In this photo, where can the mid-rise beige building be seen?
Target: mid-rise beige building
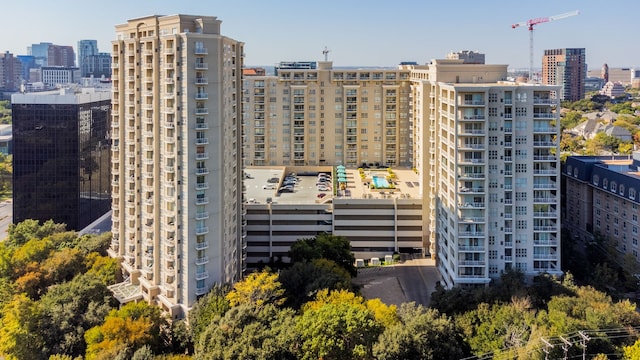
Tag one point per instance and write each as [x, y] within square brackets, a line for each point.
[486, 150]
[311, 114]
[176, 159]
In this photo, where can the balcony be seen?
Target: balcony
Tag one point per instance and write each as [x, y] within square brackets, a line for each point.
[202, 260]
[201, 291]
[201, 111]
[202, 171]
[545, 129]
[201, 245]
[541, 101]
[544, 200]
[549, 214]
[201, 66]
[202, 96]
[200, 51]
[544, 144]
[202, 186]
[472, 175]
[545, 172]
[202, 201]
[202, 230]
[202, 126]
[469, 248]
[202, 141]
[471, 233]
[546, 228]
[202, 80]
[471, 262]
[201, 275]
[548, 115]
[471, 132]
[470, 161]
[471, 219]
[471, 205]
[544, 158]
[202, 215]
[202, 156]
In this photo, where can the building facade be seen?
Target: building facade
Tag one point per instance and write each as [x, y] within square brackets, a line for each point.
[61, 55]
[177, 159]
[10, 72]
[485, 148]
[59, 75]
[601, 198]
[566, 68]
[92, 62]
[61, 156]
[311, 114]
[40, 52]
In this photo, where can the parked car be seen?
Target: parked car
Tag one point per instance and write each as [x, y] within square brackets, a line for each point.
[285, 189]
[269, 186]
[321, 195]
[323, 188]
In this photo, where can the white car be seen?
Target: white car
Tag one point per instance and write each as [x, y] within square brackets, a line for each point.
[269, 187]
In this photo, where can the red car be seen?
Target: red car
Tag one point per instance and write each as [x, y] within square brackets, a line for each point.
[321, 195]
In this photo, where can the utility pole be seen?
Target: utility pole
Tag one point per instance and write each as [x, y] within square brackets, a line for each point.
[583, 343]
[547, 346]
[565, 347]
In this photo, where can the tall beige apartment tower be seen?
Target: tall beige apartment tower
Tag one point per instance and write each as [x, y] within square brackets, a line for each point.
[486, 149]
[309, 113]
[176, 160]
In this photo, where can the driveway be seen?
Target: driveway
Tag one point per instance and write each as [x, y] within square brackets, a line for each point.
[412, 280]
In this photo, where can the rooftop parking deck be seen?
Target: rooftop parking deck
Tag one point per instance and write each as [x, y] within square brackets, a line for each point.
[262, 184]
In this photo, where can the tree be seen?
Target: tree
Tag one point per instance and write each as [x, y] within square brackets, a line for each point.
[421, 333]
[29, 229]
[303, 279]
[19, 338]
[130, 327]
[68, 310]
[209, 307]
[632, 352]
[570, 120]
[249, 332]
[337, 331]
[259, 289]
[325, 246]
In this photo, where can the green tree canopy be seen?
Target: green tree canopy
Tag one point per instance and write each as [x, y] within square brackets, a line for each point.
[249, 332]
[303, 280]
[325, 246]
[421, 333]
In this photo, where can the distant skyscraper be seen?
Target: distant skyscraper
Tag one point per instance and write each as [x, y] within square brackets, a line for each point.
[177, 159]
[605, 73]
[60, 55]
[27, 62]
[86, 48]
[40, 52]
[10, 72]
[567, 68]
[61, 157]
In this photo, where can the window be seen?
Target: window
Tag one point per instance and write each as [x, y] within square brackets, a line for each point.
[521, 224]
[605, 184]
[632, 193]
[621, 187]
[596, 178]
[614, 186]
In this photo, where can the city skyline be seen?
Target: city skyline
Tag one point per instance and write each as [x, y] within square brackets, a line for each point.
[379, 34]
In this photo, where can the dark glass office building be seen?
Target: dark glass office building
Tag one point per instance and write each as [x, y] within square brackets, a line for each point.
[61, 156]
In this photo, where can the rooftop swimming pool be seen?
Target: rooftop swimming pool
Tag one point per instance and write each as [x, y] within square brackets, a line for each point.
[380, 182]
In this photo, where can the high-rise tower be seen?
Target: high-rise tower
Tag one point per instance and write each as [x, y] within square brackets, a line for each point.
[486, 149]
[177, 184]
[566, 68]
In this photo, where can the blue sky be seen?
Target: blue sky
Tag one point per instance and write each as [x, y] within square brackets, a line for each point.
[358, 32]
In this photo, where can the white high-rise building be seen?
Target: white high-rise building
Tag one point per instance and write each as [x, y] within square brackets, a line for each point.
[176, 159]
[486, 149]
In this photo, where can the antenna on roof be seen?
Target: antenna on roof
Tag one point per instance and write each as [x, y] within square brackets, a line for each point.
[325, 52]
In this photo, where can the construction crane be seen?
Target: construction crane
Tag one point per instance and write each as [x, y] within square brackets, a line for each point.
[531, 23]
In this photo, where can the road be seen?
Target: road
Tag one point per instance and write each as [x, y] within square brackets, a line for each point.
[6, 217]
[412, 280]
